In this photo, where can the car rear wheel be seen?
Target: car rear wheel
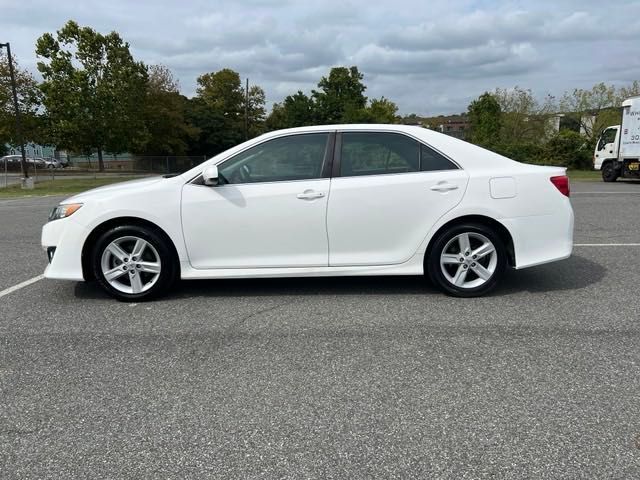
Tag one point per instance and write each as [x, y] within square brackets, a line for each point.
[467, 260]
[133, 263]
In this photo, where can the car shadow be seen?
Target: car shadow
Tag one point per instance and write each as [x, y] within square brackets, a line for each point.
[574, 273]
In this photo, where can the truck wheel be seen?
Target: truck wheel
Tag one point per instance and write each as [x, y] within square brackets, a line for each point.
[609, 172]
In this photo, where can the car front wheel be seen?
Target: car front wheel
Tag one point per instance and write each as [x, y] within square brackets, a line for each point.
[467, 260]
[133, 263]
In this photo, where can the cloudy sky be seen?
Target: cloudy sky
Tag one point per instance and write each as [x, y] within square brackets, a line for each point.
[429, 56]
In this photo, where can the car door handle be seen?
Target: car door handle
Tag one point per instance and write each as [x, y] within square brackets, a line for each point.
[444, 187]
[310, 195]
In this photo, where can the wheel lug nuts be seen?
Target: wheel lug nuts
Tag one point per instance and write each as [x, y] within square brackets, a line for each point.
[465, 266]
[139, 266]
[133, 259]
[473, 264]
[124, 267]
[475, 256]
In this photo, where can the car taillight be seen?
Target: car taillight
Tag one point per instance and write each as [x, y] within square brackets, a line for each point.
[562, 184]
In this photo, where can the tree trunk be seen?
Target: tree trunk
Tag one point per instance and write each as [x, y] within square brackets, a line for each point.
[100, 161]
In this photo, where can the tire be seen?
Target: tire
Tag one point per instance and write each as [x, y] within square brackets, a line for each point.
[462, 275]
[134, 276]
[609, 172]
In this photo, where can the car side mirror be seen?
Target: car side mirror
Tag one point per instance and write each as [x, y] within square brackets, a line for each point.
[210, 175]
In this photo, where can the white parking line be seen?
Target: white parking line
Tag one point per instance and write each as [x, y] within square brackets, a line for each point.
[606, 244]
[629, 192]
[26, 283]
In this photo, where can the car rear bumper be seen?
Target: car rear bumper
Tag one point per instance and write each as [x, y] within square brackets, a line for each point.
[542, 239]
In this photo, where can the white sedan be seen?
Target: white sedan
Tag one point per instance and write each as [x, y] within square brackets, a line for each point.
[317, 201]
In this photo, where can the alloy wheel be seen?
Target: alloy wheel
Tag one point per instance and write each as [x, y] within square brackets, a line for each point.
[130, 264]
[468, 260]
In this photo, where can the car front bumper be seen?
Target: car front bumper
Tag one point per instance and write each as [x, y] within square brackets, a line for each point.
[63, 241]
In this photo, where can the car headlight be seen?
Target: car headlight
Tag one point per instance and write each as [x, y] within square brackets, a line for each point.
[64, 211]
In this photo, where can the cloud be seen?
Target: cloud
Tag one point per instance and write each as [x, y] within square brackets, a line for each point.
[430, 57]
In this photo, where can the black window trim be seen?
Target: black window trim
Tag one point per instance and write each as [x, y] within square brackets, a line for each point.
[337, 154]
[327, 161]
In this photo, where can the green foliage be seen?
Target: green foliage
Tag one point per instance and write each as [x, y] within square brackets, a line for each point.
[595, 109]
[378, 111]
[526, 152]
[92, 90]
[167, 131]
[524, 119]
[29, 101]
[339, 95]
[296, 110]
[340, 99]
[218, 111]
[215, 133]
[486, 120]
[222, 91]
[568, 149]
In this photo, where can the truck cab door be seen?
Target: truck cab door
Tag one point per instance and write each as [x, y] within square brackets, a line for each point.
[607, 146]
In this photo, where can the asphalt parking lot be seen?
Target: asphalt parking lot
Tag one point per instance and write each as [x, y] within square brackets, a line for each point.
[329, 378]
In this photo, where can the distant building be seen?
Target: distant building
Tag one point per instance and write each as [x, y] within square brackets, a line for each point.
[453, 125]
[33, 150]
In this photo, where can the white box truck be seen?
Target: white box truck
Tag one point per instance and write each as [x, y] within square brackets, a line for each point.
[617, 152]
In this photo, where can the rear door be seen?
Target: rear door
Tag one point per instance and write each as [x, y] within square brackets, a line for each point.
[387, 191]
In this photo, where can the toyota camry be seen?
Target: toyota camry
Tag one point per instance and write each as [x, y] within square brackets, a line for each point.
[319, 201]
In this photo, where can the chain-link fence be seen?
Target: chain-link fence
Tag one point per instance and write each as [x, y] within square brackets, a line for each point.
[50, 168]
[137, 164]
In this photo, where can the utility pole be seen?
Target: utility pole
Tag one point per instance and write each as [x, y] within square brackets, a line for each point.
[23, 163]
[246, 111]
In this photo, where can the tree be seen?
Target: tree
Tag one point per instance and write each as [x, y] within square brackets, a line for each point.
[222, 91]
[255, 110]
[296, 110]
[379, 110]
[632, 90]
[29, 103]
[524, 119]
[168, 132]
[568, 149]
[592, 109]
[486, 122]
[340, 93]
[213, 133]
[92, 90]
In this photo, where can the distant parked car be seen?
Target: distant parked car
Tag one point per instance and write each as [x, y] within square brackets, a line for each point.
[50, 162]
[12, 162]
[38, 162]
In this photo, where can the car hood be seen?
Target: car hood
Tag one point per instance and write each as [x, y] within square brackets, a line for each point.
[114, 189]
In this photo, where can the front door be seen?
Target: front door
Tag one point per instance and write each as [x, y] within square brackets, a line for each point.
[269, 209]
